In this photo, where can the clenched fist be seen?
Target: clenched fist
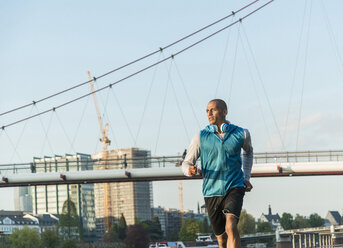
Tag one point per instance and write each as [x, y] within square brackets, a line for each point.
[192, 170]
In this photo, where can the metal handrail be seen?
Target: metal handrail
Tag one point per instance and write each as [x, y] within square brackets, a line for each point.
[77, 162]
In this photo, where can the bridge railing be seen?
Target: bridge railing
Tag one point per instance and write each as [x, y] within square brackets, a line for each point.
[81, 162]
[299, 156]
[77, 163]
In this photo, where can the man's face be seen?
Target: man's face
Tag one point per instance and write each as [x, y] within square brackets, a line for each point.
[215, 115]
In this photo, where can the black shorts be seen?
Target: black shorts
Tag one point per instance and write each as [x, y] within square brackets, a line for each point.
[219, 206]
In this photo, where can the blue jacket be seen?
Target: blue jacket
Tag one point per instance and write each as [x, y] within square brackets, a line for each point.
[221, 161]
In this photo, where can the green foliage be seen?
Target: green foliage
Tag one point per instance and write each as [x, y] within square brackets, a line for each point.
[246, 224]
[263, 227]
[173, 236]
[24, 238]
[189, 230]
[69, 243]
[69, 224]
[136, 236]
[286, 221]
[122, 228]
[114, 233]
[154, 229]
[300, 222]
[315, 220]
[50, 238]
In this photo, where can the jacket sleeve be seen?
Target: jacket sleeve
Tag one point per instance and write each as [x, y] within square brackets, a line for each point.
[248, 155]
[192, 155]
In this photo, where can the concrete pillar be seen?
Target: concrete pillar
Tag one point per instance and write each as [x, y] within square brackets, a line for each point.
[293, 240]
[326, 241]
[314, 240]
[300, 241]
[320, 237]
[305, 240]
[331, 241]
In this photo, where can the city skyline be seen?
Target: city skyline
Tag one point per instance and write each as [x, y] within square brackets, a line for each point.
[280, 71]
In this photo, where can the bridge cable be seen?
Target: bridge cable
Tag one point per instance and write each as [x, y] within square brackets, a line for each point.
[262, 84]
[43, 127]
[179, 108]
[223, 61]
[295, 71]
[123, 115]
[332, 38]
[132, 62]
[176, 99]
[140, 71]
[20, 136]
[114, 139]
[187, 95]
[253, 81]
[163, 107]
[13, 146]
[46, 138]
[303, 76]
[107, 116]
[79, 124]
[65, 131]
[234, 65]
[147, 100]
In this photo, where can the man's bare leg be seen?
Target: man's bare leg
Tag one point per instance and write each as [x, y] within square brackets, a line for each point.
[222, 239]
[231, 228]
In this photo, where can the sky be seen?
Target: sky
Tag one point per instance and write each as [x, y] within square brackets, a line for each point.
[280, 71]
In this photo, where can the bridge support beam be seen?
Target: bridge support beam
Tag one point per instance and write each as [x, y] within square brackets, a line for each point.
[300, 241]
[283, 241]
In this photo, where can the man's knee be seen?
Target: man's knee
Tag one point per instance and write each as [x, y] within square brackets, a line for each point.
[222, 239]
[231, 224]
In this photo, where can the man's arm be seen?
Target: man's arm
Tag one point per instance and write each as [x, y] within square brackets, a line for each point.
[248, 156]
[193, 153]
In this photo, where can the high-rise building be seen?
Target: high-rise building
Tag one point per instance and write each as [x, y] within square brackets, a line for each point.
[162, 217]
[132, 199]
[173, 222]
[23, 199]
[50, 198]
[170, 220]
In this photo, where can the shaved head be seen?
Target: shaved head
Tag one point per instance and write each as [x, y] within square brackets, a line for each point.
[220, 104]
[216, 112]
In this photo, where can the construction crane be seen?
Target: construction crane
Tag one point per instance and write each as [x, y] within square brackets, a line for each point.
[181, 202]
[105, 143]
[181, 189]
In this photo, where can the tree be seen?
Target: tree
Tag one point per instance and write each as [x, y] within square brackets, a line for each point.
[69, 243]
[300, 222]
[50, 238]
[286, 221]
[154, 229]
[114, 233]
[263, 227]
[189, 229]
[26, 237]
[122, 228]
[173, 235]
[136, 237]
[69, 224]
[246, 224]
[315, 220]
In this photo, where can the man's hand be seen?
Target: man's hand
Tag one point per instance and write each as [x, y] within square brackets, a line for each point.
[248, 186]
[192, 170]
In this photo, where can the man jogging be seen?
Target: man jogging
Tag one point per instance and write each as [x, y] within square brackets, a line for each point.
[224, 182]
